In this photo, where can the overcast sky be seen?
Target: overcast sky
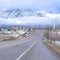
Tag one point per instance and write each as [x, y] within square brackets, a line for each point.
[50, 5]
[47, 5]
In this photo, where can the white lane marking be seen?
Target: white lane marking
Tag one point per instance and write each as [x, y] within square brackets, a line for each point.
[26, 51]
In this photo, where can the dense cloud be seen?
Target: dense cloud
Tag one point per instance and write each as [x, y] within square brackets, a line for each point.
[48, 19]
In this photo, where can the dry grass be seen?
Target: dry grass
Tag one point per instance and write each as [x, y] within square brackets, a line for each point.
[33, 30]
[53, 46]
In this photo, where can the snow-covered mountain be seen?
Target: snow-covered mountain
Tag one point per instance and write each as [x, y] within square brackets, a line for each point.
[17, 13]
[28, 18]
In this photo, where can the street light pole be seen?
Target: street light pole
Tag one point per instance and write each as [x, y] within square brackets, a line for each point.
[54, 26]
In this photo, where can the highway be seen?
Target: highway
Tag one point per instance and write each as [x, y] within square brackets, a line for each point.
[30, 48]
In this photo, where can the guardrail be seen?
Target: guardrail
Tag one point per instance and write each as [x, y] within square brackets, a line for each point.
[26, 55]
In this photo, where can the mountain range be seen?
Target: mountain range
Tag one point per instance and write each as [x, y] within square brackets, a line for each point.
[17, 13]
[28, 18]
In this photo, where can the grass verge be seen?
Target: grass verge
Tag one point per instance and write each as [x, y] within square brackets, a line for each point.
[53, 46]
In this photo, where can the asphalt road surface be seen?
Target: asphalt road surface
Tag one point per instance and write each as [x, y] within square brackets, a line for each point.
[11, 50]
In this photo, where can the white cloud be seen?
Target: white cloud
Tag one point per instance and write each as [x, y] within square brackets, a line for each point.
[47, 19]
[51, 15]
